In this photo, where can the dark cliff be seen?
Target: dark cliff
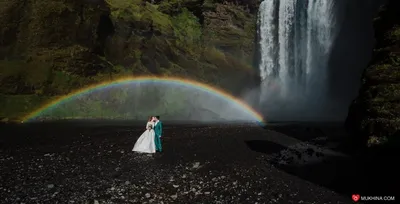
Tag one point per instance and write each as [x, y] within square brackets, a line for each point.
[374, 116]
[51, 47]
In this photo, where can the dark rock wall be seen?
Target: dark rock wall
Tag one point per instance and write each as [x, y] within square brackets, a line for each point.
[73, 43]
[374, 116]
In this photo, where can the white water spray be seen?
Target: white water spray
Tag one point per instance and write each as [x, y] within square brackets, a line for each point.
[296, 37]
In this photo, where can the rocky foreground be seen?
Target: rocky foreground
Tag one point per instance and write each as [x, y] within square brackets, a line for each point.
[66, 163]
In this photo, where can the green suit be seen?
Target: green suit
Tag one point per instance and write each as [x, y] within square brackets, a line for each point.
[158, 133]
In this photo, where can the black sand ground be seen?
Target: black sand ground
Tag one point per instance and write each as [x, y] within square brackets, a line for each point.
[93, 163]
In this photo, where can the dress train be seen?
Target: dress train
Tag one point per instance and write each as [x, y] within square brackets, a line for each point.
[145, 143]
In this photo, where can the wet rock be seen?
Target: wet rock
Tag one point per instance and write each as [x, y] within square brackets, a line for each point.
[173, 176]
[174, 196]
[196, 165]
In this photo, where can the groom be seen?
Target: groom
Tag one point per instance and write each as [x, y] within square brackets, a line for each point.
[158, 133]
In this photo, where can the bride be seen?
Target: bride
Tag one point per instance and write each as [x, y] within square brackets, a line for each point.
[145, 143]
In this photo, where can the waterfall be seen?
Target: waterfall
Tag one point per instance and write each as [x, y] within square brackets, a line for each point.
[296, 37]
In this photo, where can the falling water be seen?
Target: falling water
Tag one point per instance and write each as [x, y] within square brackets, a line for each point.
[296, 37]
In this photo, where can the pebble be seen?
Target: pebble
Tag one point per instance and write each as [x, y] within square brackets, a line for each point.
[89, 177]
[196, 165]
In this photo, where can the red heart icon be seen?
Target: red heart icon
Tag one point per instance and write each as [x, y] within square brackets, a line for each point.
[355, 197]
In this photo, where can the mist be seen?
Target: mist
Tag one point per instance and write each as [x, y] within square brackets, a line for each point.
[138, 101]
[311, 69]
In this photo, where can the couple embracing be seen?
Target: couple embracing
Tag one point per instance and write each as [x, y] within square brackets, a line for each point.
[150, 140]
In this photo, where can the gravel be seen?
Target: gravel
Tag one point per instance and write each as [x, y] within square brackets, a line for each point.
[208, 164]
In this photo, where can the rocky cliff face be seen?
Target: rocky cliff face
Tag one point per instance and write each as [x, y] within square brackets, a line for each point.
[375, 115]
[210, 41]
[52, 47]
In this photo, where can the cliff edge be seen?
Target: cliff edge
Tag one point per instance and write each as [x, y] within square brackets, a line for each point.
[374, 116]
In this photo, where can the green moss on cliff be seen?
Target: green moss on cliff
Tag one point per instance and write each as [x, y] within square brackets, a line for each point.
[23, 77]
[374, 115]
[141, 12]
[394, 34]
[187, 28]
[19, 106]
[59, 46]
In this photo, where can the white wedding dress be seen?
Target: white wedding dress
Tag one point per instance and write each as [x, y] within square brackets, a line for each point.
[145, 143]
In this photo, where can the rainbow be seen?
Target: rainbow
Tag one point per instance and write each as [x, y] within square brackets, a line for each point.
[168, 80]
